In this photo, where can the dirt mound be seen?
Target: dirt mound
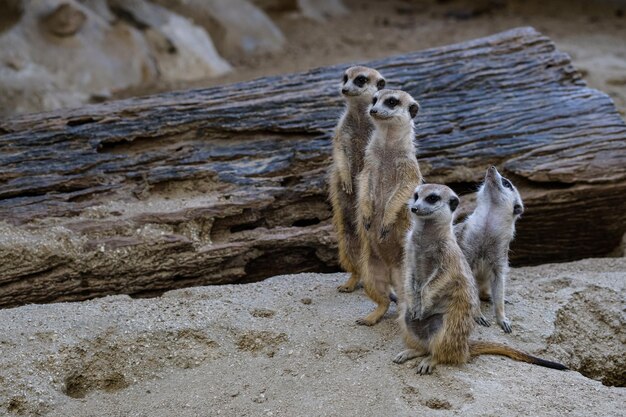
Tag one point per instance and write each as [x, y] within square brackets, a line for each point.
[590, 331]
[258, 349]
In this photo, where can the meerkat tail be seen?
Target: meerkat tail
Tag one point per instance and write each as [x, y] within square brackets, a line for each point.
[489, 348]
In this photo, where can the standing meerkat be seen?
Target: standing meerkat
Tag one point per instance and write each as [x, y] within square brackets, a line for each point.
[485, 237]
[351, 136]
[390, 174]
[439, 296]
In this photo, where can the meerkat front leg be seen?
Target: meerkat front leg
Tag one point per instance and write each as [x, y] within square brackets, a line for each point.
[395, 203]
[343, 163]
[365, 199]
[425, 299]
[497, 293]
[397, 200]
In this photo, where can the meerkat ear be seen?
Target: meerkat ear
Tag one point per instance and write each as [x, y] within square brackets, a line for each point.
[454, 203]
[413, 109]
[381, 84]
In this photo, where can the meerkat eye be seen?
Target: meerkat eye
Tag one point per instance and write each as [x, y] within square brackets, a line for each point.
[360, 80]
[416, 197]
[380, 84]
[392, 102]
[374, 100]
[432, 198]
[507, 184]
[345, 78]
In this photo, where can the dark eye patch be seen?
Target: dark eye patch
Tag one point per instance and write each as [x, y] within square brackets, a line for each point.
[507, 184]
[380, 84]
[432, 198]
[360, 80]
[392, 102]
[345, 78]
[454, 203]
[416, 197]
[374, 100]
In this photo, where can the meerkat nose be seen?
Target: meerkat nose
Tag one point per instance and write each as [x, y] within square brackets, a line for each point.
[344, 91]
[373, 111]
[414, 209]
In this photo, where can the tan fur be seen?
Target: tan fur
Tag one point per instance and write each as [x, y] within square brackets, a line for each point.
[439, 296]
[349, 142]
[390, 173]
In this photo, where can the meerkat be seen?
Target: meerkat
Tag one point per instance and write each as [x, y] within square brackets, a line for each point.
[439, 297]
[390, 174]
[351, 136]
[485, 237]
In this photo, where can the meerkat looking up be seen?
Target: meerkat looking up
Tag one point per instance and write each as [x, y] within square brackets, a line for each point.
[351, 136]
[390, 174]
[485, 237]
[439, 296]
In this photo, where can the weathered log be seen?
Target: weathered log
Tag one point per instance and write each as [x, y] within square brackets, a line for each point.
[227, 184]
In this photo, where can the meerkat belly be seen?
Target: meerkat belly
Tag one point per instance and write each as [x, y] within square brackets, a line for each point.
[481, 268]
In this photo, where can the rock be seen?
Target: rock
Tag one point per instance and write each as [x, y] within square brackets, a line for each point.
[318, 10]
[236, 26]
[164, 355]
[62, 53]
[182, 50]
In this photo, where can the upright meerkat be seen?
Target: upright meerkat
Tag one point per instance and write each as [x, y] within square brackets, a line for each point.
[439, 296]
[351, 136]
[485, 237]
[390, 174]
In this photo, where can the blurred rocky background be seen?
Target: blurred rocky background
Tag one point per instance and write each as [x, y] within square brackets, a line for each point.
[65, 53]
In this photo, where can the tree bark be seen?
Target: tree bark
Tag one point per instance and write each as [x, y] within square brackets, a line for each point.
[228, 184]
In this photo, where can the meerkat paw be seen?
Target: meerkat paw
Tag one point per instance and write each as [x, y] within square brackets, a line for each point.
[406, 355]
[346, 288]
[347, 187]
[384, 232]
[426, 366]
[482, 321]
[505, 323]
[365, 321]
[417, 315]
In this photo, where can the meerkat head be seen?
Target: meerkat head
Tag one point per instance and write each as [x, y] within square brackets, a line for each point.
[392, 106]
[434, 201]
[499, 192]
[360, 83]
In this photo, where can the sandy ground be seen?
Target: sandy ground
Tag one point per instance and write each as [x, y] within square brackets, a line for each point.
[289, 346]
[593, 32]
